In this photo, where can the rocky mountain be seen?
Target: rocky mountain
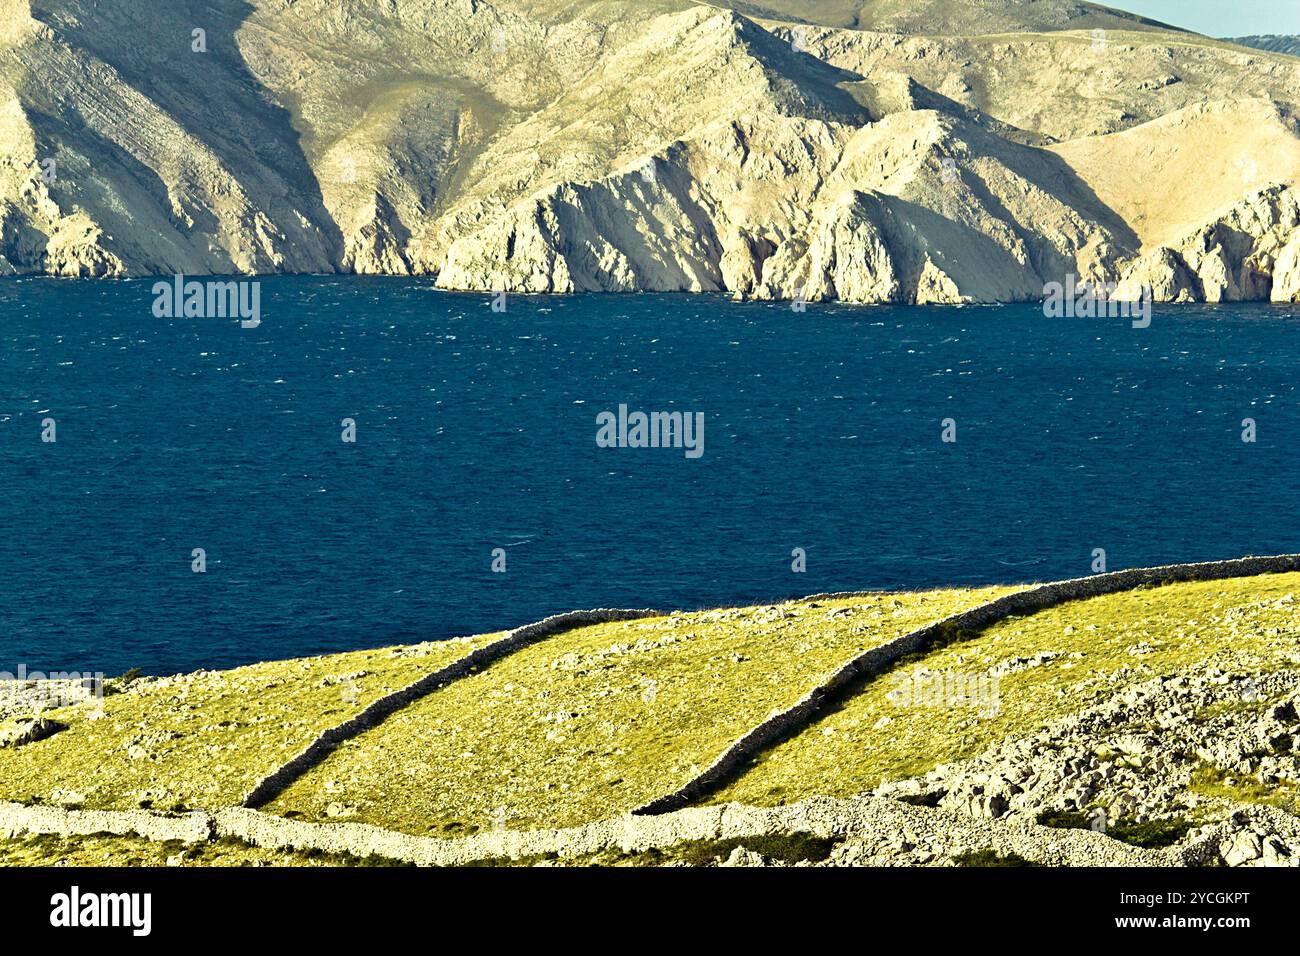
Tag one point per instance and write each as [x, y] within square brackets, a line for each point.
[944, 151]
[1273, 43]
[949, 17]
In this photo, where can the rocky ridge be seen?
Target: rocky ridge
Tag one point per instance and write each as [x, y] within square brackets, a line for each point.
[768, 153]
[1274, 43]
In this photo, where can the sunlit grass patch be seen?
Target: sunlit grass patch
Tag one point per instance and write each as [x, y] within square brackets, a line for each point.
[991, 857]
[202, 740]
[1050, 664]
[599, 720]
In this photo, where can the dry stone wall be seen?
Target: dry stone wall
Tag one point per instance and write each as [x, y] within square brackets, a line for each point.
[848, 820]
[666, 822]
[787, 722]
[17, 819]
[275, 782]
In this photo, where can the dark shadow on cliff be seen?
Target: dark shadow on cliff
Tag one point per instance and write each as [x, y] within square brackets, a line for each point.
[214, 96]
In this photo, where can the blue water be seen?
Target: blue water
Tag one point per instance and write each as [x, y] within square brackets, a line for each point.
[476, 430]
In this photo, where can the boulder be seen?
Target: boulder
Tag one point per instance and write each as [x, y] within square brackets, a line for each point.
[30, 731]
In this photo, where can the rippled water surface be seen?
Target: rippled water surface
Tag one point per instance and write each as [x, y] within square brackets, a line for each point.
[476, 430]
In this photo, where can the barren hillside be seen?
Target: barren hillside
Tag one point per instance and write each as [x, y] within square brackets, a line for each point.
[1274, 43]
[957, 150]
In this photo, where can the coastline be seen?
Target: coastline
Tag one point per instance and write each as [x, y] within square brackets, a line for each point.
[1069, 297]
[271, 830]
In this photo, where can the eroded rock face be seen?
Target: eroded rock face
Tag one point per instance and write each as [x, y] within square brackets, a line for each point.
[781, 208]
[1250, 253]
[849, 256]
[1286, 272]
[1165, 273]
[601, 147]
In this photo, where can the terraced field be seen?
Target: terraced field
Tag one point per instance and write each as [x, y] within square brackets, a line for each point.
[600, 720]
[1049, 664]
[590, 723]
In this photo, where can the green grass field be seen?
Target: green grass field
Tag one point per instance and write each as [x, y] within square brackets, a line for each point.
[597, 721]
[203, 740]
[1102, 644]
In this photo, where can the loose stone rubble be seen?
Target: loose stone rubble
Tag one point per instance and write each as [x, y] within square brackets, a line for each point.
[1187, 747]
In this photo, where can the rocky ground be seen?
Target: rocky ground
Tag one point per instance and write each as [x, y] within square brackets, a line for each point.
[1249, 836]
[1187, 751]
[24, 698]
[1200, 768]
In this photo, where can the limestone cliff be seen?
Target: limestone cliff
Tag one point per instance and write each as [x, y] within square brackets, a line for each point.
[1249, 253]
[944, 151]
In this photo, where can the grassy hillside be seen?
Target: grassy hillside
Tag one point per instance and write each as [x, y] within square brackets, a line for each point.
[641, 700]
[591, 723]
[204, 739]
[600, 720]
[1096, 647]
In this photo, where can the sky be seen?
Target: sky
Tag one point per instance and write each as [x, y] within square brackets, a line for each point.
[1219, 18]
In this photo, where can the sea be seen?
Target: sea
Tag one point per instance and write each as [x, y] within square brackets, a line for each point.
[377, 462]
